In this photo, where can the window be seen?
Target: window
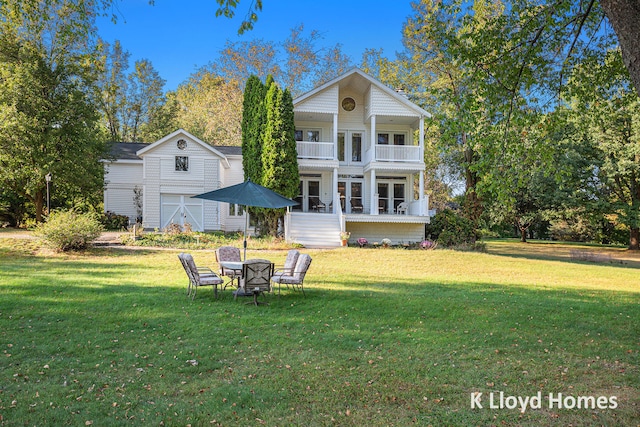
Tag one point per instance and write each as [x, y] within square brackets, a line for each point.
[341, 147]
[182, 163]
[236, 210]
[356, 147]
[307, 135]
[384, 138]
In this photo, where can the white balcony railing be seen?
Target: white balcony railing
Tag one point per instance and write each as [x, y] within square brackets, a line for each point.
[315, 150]
[398, 153]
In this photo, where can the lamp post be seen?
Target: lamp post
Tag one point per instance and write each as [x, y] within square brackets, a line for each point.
[47, 178]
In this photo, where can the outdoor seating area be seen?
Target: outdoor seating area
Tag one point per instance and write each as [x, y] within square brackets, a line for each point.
[251, 277]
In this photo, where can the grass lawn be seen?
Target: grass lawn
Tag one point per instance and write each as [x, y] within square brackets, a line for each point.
[384, 337]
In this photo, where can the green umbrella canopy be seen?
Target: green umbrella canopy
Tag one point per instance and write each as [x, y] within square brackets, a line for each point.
[248, 193]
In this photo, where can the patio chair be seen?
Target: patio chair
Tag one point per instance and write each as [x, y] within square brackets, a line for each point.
[403, 208]
[256, 278]
[356, 205]
[316, 204]
[229, 254]
[295, 278]
[290, 261]
[198, 276]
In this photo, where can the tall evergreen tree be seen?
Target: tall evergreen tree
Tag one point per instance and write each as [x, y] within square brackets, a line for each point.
[279, 156]
[251, 128]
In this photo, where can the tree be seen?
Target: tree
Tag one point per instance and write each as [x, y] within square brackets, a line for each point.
[145, 97]
[131, 102]
[49, 120]
[113, 88]
[305, 63]
[624, 16]
[269, 155]
[279, 154]
[253, 118]
[210, 108]
[607, 108]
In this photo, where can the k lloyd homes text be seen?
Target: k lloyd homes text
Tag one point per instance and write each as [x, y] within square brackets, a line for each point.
[498, 400]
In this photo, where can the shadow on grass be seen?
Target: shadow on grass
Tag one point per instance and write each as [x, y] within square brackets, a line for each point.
[566, 252]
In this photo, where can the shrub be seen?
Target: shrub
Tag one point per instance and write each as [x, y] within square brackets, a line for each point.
[113, 221]
[68, 230]
[451, 229]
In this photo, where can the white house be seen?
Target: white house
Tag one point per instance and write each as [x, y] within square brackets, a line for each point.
[360, 151]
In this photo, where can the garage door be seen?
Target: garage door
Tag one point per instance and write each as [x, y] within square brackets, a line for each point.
[180, 209]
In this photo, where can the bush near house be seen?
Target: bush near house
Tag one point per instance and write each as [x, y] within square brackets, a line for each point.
[67, 230]
[113, 221]
[450, 229]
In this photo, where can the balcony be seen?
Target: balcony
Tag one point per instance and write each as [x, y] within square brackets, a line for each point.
[385, 153]
[397, 153]
[315, 150]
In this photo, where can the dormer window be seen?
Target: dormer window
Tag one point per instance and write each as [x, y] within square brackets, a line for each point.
[182, 163]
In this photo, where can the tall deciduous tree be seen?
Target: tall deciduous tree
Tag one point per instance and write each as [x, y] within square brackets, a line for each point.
[210, 108]
[144, 99]
[49, 122]
[608, 110]
[299, 63]
[113, 88]
[130, 101]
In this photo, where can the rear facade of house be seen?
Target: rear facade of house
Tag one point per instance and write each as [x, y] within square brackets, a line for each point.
[360, 155]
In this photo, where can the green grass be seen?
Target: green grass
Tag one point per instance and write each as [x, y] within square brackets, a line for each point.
[384, 337]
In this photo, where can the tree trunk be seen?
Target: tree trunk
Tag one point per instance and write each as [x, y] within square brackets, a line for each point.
[39, 204]
[523, 235]
[473, 204]
[634, 239]
[624, 16]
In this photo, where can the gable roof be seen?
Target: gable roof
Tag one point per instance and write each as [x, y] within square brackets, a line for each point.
[356, 72]
[132, 150]
[186, 134]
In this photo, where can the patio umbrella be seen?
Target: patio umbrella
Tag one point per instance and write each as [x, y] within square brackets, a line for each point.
[248, 193]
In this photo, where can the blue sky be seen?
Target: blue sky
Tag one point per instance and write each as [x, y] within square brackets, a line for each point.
[180, 36]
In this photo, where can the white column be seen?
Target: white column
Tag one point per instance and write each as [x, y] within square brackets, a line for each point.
[373, 199]
[421, 186]
[421, 140]
[373, 138]
[336, 202]
[335, 137]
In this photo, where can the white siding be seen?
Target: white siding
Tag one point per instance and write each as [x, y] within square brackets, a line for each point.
[375, 232]
[233, 175]
[323, 102]
[383, 104]
[120, 180]
[151, 190]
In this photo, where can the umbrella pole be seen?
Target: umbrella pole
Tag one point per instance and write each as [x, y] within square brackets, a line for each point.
[246, 220]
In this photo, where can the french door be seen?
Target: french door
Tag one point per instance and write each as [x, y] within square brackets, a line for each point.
[351, 199]
[308, 189]
[390, 195]
[350, 146]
